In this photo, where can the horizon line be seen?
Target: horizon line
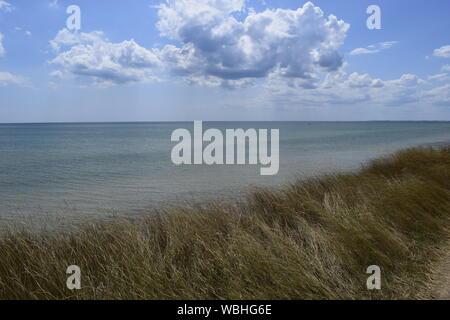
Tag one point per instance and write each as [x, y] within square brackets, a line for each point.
[185, 121]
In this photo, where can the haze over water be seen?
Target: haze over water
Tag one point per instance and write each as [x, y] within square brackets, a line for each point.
[123, 168]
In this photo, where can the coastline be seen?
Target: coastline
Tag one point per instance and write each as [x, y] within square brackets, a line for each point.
[126, 169]
[311, 239]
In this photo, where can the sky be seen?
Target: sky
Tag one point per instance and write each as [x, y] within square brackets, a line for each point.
[256, 60]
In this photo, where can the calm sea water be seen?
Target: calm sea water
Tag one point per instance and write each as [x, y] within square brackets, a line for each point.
[122, 168]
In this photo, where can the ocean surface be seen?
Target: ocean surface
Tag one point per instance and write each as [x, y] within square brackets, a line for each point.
[103, 169]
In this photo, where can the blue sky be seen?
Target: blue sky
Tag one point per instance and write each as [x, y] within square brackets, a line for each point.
[178, 60]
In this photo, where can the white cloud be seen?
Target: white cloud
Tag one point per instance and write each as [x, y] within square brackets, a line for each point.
[439, 96]
[408, 80]
[445, 68]
[7, 78]
[340, 88]
[5, 6]
[295, 53]
[373, 48]
[359, 51]
[56, 74]
[442, 52]
[2, 49]
[356, 80]
[65, 38]
[26, 32]
[439, 77]
[106, 63]
[216, 45]
[214, 48]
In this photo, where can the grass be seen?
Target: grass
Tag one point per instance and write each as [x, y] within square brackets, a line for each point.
[312, 239]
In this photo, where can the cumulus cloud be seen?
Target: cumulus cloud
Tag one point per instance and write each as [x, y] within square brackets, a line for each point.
[7, 78]
[221, 43]
[375, 48]
[341, 88]
[65, 38]
[215, 47]
[106, 63]
[408, 80]
[335, 89]
[5, 6]
[211, 47]
[442, 52]
[356, 80]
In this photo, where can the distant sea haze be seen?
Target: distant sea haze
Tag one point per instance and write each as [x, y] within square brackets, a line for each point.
[98, 169]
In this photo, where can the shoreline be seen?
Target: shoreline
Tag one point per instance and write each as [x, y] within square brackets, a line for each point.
[227, 194]
[310, 239]
[126, 169]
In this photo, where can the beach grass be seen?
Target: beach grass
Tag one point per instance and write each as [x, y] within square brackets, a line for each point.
[311, 239]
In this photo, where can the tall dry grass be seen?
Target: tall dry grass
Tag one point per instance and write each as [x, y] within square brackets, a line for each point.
[312, 239]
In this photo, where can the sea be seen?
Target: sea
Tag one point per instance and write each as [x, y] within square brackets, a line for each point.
[74, 170]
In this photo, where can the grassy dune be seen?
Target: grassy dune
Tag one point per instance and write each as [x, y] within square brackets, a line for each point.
[312, 239]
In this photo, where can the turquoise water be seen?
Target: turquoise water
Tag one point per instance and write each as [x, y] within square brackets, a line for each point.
[123, 168]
